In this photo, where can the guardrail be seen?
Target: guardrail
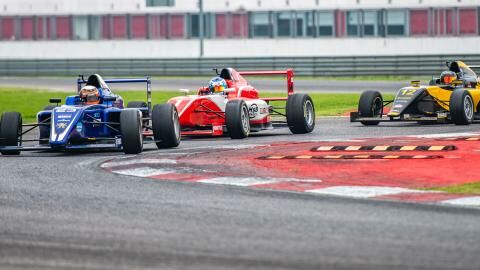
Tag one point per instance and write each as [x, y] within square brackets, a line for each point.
[304, 66]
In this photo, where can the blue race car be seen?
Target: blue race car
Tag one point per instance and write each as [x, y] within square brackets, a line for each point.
[95, 118]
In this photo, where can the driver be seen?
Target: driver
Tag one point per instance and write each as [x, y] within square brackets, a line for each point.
[447, 77]
[90, 95]
[217, 85]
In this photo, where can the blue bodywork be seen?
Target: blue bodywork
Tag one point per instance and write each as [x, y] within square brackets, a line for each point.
[76, 125]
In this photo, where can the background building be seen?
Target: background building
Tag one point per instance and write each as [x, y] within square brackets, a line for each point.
[58, 29]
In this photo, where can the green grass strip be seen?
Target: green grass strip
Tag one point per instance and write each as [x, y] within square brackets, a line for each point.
[470, 188]
[30, 101]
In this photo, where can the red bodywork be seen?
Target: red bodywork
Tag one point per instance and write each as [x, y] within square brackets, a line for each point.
[204, 113]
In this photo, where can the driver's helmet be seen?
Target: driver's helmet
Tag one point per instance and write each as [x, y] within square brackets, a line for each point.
[447, 77]
[217, 85]
[90, 95]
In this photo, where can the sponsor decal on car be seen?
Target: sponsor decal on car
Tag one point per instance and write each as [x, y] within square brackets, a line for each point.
[253, 111]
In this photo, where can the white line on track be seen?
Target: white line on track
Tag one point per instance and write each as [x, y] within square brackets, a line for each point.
[362, 191]
[144, 172]
[253, 181]
[467, 201]
[115, 163]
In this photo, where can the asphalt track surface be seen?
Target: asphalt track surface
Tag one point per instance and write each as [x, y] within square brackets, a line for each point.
[60, 211]
[171, 83]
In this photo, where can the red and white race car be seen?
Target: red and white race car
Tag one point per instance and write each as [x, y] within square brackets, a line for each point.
[239, 110]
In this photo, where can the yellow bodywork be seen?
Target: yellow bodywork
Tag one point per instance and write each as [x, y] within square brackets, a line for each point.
[442, 95]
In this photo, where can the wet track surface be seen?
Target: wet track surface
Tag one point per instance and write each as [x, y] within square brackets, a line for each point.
[60, 211]
[170, 83]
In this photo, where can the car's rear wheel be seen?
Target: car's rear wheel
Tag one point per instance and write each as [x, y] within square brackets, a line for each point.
[45, 130]
[370, 105]
[166, 125]
[11, 132]
[132, 131]
[237, 119]
[300, 113]
[461, 107]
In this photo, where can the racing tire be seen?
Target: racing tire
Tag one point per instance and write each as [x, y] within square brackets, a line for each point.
[370, 105]
[45, 130]
[300, 112]
[136, 104]
[237, 119]
[461, 107]
[11, 131]
[132, 131]
[166, 126]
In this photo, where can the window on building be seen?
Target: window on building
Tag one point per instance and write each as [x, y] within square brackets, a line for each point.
[177, 26]
[419, 22]
[80, 28]
[160, 3]
[107, 27]
[310, 25]
[353, 20]
[221, 25]
[284, 24]
[468, 21]
[27, 28]
[239, 25]
[260, 24]
[370, 23]
[300, 23]
[396, 22]
[138, 26]
[119, 28]
[194, 25]
[64, 27]
[158, 26]
[95, 27]
[8, 28]
[326, 23]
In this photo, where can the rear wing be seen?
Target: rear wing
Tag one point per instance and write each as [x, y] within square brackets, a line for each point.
[81, 81]
[288, 73]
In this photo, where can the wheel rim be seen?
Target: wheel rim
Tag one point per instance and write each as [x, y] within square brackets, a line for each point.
[245, 120]
[308, 112]
[468, 107]
[377, 106]
[176, 124]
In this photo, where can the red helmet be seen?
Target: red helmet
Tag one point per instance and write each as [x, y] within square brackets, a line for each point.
[447, 77]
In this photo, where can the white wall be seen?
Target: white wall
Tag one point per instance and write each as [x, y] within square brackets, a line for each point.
[238, 48]
[39, 7]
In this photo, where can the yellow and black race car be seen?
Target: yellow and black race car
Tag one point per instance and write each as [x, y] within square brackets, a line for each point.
[454, 97]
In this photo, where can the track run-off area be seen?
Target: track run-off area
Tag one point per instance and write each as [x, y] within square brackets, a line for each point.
[342, 197]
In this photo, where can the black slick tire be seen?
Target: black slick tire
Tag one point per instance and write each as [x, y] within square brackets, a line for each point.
[370, 105]
[461, 107]
[132, 131]
[237, 119]
[11, 131]
[166, 125]
[300, 112]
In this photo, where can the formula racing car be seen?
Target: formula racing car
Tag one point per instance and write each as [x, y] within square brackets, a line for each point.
[94, 118]
[230, 105]
[454, 97]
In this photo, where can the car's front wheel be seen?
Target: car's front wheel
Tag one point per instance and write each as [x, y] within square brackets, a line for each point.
[370, 105]
[237, 119]
[461, 107]
[11, 131]
[132, 131]
[166, 125]
[300, 113]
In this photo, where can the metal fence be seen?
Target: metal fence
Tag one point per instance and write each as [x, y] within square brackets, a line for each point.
[304, 66]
